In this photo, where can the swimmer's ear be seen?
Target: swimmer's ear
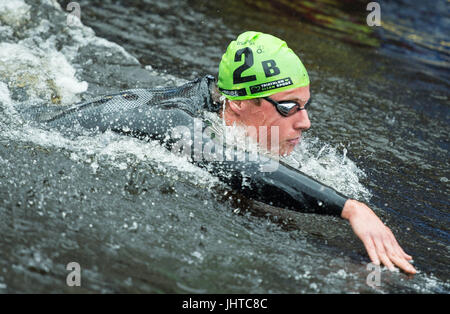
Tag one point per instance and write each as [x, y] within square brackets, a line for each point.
[236, 106]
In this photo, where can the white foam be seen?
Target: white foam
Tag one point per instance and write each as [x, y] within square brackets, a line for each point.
[14, 12]
[35, 62]
[325, 164]
[52, 3]
[35, 65]
[44, 73]
[5, 97]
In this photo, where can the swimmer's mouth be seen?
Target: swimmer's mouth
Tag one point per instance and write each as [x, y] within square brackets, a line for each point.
[294, 141]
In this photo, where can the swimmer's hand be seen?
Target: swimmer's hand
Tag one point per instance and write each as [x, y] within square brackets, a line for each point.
[378, 239]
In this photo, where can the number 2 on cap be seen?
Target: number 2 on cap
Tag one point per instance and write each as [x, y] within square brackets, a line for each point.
[248, 62]
[269, 66]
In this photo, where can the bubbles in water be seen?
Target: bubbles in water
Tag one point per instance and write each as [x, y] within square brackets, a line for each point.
[198, 255]
[134, 226]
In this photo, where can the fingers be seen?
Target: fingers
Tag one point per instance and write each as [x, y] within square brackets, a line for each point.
[403, 264]
[382, 254]
[390, 254]
[395, 243]
[370, 248]
[398, 250]
[398, 259]
[392, 245]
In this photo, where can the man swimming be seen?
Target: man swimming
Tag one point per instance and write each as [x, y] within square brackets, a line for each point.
[262, 84]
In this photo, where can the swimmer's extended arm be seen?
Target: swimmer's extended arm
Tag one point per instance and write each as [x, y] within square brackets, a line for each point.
[289, 188]
[378, 239]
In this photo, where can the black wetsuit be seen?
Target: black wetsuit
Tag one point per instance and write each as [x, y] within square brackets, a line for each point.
[152, 113]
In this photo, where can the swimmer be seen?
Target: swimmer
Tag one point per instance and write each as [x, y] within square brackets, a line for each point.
[261, 84]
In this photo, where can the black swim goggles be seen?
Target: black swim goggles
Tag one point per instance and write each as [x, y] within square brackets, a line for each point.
[288, 107]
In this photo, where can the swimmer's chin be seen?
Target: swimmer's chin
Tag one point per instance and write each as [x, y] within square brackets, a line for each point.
[289, 147]
[286, 151]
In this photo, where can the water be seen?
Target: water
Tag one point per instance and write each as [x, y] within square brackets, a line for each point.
[138, 219]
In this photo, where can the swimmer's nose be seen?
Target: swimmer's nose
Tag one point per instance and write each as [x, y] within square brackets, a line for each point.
[301, 120]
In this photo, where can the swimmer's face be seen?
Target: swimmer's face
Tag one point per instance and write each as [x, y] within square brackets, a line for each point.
[265, 114]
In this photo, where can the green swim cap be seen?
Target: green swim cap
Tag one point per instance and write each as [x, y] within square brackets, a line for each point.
[259, 65]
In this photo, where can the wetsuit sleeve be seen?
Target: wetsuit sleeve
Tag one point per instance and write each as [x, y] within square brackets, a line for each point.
[284, 186]
[290, 188]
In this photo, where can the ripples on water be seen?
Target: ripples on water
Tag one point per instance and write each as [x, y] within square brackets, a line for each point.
[139, 219]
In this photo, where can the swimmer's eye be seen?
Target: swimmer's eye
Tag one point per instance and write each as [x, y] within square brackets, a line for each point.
[288, 107]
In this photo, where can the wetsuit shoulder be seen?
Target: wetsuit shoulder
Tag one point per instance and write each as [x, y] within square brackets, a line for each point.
[129, 109]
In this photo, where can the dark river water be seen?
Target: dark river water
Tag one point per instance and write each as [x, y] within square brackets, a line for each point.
[138, 219]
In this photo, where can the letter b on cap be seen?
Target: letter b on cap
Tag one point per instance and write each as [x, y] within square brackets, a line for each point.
[270, 68]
